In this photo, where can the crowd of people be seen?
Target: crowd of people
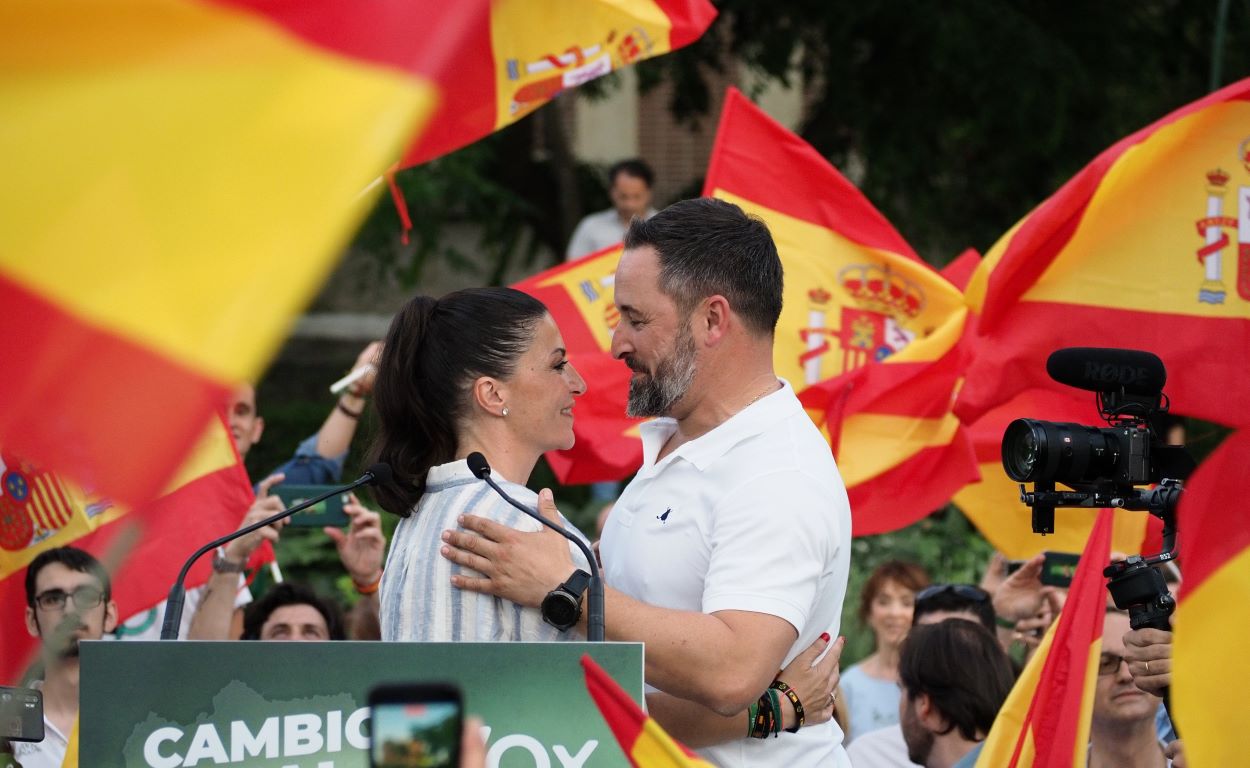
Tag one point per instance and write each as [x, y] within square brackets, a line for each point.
[727, 555]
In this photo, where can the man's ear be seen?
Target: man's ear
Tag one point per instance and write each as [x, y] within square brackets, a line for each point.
[928, 715]
[32, 623]
[714, 317]
[490, 395]
[258, 429]
[110, 616]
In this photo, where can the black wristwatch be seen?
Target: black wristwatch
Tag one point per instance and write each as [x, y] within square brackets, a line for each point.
[562, 606]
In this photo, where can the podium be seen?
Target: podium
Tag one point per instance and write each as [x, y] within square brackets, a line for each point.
[305, 705]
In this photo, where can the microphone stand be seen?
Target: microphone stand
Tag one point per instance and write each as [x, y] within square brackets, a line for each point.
[178, 593]
[594, 596]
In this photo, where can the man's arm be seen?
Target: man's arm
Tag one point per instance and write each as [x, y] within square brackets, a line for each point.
[214, 617]
[722, 660]
[335, 435]
[697, 726]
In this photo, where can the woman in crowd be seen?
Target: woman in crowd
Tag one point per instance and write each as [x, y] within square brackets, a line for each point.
[479, 370]
[885, 607]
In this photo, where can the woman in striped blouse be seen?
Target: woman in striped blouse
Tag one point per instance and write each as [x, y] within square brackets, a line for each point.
[479, 370]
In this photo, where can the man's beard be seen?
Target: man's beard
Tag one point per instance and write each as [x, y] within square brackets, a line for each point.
[919, 739]
[655, 395]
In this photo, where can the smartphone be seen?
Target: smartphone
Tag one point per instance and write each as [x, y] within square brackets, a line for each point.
[417, 724]
[328, 512]
[21, 714]
[1059, 568]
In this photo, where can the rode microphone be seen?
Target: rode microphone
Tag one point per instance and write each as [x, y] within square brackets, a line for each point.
[594, 599]
[377, 474]
[1108, 370]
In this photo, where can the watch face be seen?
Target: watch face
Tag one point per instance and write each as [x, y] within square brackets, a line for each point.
[560, 610]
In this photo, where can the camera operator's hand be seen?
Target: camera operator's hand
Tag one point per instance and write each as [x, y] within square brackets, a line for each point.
[472, 745]
[1176, 753]
[1021, 595]
[1149, 656]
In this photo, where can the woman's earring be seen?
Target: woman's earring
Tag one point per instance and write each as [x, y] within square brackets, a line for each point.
[505, 410]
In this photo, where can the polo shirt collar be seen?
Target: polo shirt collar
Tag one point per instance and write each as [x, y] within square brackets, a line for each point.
[702, 451]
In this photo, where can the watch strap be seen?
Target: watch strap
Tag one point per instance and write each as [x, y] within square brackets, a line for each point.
[577, 583]
[221, 564]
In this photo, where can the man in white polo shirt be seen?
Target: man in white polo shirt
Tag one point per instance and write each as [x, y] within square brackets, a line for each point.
[728, 553]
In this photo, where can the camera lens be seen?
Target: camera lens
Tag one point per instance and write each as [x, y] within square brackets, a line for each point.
[1044, 451]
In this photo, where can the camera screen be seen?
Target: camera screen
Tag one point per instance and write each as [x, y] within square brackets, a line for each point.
[416, 735]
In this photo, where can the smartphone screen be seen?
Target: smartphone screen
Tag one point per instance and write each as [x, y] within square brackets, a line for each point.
[415, 725]
[21, 714]
[1059, 568]
[323, 513]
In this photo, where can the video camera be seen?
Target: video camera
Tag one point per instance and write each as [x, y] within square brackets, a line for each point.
[1104, 465]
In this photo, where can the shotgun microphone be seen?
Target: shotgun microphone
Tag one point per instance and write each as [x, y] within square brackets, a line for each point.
[594, 598]
[378, 474]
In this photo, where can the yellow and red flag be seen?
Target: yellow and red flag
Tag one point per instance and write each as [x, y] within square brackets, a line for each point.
[523, 53]
[1148, 247]
[993, 503]
[180, 176]
[39, 511]
[1045, 721]
[1211, 623]
[643, 741]
[869, 335]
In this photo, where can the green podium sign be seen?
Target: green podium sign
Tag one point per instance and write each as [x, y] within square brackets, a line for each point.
[304, 705]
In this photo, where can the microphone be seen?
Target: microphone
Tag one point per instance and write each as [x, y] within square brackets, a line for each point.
[594, 599]
[377, 474]
[1108, 370]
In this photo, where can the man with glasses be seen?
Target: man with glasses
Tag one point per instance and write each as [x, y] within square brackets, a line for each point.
[68, 600]
[1123, 728]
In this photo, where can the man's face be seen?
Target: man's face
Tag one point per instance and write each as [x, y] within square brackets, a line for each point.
[295, 622]
[652, 337]
[245, 423]
[59, 629]
[919, 738]
[1116, 699]
[630, 196]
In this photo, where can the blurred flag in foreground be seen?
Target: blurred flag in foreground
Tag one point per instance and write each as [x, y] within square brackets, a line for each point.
[525, 52]
[869, 335]
[179, 177]
[40, 511]
[1045, 720]
[1148, 247]
[641, 738]
[1211, 623]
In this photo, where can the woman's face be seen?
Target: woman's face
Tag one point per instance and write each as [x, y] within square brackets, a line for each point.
[890, 617]
[541, 391]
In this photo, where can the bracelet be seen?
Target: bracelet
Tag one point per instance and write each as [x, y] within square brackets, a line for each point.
[368, 589]
[346, 412]
[763, 717]
[776, 700]
[753, 711]
[793, 696]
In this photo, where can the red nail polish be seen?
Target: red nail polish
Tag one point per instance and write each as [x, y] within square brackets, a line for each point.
[824, 636]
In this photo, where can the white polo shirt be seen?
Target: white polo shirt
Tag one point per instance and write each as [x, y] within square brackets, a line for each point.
[752, 516]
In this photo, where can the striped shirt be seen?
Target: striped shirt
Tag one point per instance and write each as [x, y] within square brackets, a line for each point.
[417, 600]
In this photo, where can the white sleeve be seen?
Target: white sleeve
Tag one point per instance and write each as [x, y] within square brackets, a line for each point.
[579, 244]
[772, 540]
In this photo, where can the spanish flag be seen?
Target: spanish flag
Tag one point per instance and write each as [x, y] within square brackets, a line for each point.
[993, 502]
[1046, 718]
[1148, 247]
[580, 296]
[179, 178]
[522, 53]
[641, 738]
[1211, 623]
[870, 335]
[39, 511]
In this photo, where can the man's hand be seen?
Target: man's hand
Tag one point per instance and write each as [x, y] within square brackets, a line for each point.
[1176, 753]
[1021, 595]
[1149, 656]
[241, 549]
[516, 565]
[369, 357]
[363, 548]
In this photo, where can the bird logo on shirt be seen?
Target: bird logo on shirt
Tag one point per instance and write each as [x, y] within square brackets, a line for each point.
[664, 517]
